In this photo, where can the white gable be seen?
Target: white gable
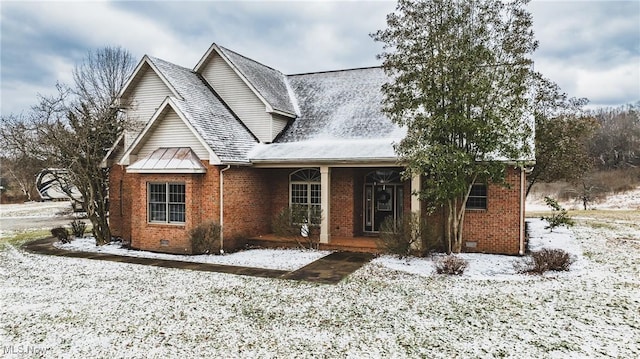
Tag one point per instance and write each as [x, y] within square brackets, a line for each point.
[146, 96]
[239, 97]
[170, 131]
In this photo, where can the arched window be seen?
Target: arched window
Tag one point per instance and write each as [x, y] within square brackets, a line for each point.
[383, 177]
[304, 195]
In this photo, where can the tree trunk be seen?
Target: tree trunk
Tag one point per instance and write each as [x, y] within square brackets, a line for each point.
[94, 203]
[456, 227]
[449, 225]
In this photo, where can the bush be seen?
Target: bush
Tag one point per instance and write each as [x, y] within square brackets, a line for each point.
[559, 216]
[546, 260]
[289, 224]
[402, 237]
[282, 225]
[77, 228]
[61, 233]
[451, 264]
[205, 238]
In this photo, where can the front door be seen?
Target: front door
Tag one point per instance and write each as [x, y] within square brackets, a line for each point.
[382, 199]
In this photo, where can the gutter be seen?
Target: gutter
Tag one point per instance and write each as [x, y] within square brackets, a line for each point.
[222, 208]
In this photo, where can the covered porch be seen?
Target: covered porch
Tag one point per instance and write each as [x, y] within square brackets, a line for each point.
[348, 202]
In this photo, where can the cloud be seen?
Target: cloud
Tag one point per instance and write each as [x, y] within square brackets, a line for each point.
[589, 48]
[612, 86]
[290, 36]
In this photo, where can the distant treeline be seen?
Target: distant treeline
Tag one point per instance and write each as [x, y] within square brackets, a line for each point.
[616, 141]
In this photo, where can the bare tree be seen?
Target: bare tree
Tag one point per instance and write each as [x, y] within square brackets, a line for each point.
[19, 166]
[101, 76]
[616, 144]
[21, 171]
[74, 129]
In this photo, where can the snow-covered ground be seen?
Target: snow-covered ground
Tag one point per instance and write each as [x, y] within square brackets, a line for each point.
[73, 307]
[481, 266]
[498, 267]
[283, 259]
[629, 200]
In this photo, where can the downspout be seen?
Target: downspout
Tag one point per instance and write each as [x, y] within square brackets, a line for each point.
[222, 208]
[522, 201]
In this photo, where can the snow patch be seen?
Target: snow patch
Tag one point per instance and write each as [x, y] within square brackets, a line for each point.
[499, 267]
[629, 200]
[280, 259]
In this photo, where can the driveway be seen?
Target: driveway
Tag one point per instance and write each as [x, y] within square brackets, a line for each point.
[35, 215]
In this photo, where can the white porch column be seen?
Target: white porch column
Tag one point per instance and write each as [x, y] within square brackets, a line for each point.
[416, 186]
[325, 203]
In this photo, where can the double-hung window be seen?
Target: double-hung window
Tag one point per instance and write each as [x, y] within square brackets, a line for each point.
[166, 202]
[477, 197]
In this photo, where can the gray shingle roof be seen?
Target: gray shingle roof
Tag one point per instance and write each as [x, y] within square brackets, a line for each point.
[340, 120]
[340, 105]
[270, 83]
[213, 121]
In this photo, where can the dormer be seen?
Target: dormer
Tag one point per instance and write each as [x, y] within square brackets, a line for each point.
[259, 95]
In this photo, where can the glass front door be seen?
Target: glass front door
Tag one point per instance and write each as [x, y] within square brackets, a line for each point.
[382, 200]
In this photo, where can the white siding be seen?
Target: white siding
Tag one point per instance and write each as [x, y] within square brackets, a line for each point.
[279, 123]
[170, 131]
[148, 94]
[249, 108]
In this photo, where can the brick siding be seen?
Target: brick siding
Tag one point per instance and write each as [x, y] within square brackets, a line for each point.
[254, 196]
[496, 229]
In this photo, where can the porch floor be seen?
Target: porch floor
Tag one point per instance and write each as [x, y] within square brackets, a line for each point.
[351, 244]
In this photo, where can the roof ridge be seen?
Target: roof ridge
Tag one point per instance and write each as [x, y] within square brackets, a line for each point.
[250, 59]
[340, 70]
[154, 58]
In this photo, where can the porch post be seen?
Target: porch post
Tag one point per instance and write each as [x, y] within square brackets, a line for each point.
[325, 203]
[416, 208]
[416, 186]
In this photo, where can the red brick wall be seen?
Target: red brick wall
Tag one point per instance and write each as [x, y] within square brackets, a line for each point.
[150, 236]
[254, 196]
[119, 203]
[248, 209]
[278, 189]
[247, 202]
[496, 229]
[342, 202]
[128, 214]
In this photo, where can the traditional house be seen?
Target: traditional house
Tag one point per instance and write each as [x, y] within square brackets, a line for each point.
[235, 141]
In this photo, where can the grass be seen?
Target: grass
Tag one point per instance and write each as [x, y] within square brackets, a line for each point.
[19, 238]
[599, 225]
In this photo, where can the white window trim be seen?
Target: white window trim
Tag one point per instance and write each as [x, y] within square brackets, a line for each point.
[166, 203]
[309, 185]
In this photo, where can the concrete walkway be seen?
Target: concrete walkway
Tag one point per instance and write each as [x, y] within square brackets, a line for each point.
[330, 269]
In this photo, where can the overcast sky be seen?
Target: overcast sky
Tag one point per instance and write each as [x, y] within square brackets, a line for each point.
[590, 48]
